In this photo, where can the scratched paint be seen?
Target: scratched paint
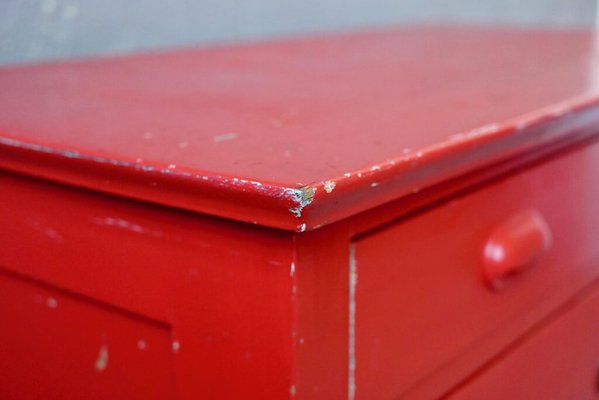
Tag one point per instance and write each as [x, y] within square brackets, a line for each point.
[225, 136]
[127, 225]
[102, 360]
[353, 282]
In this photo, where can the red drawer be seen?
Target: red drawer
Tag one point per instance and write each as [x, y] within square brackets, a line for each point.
[421, 300]
[559, 363]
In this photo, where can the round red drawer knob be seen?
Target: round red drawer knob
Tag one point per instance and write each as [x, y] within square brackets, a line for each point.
[514, 245]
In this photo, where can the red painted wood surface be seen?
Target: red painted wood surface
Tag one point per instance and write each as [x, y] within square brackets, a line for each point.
[56, 345]
[322, 313]
[559, 363]
[220, 296]
[422, 300]
[361, 118]
[411, 156]
[515, 245]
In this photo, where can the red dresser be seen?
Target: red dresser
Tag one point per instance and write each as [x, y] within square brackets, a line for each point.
[408, 213]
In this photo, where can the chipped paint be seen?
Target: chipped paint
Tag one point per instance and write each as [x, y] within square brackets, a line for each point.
[102, 360]
[302, 228]
[329, 186]
[71, 154]
[484, 130]
[126, 225]
[141, 344]
[302, 196]
[374, 184]
[292, 270]
[225, 137]
[176, 346]
[51, 302]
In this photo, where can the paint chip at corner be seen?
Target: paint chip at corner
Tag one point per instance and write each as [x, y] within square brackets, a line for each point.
[302, 196]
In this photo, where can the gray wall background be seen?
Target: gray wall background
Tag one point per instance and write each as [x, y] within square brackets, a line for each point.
[35, 30]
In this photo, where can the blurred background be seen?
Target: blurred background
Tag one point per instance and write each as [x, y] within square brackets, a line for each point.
[36, 30]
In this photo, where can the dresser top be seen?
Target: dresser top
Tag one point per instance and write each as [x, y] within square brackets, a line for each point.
[298, 133]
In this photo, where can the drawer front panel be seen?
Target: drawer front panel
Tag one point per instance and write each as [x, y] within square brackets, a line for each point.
[421, 299]
[56, 345]
[223, 290]
[559, 363]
